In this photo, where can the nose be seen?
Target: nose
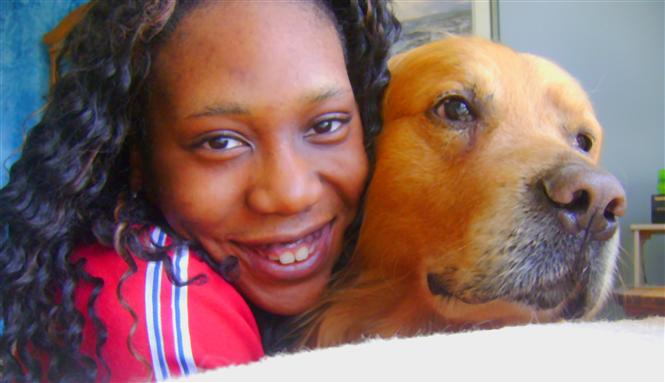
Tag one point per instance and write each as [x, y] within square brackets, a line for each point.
[285, 184]
[587, 198]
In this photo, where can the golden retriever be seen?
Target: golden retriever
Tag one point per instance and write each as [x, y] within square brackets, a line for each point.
[487, 206]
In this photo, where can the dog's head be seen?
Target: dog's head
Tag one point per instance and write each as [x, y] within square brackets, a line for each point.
[487, 189]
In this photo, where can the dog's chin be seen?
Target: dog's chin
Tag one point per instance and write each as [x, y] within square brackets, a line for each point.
[464, 311]
[566, 294]
[564, 303]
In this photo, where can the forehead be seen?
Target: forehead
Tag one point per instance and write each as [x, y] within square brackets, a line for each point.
[484, 69]
[559, 86]
[237, 47]
[240, 19]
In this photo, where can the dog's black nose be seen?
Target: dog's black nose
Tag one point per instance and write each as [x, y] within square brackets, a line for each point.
[587, 198]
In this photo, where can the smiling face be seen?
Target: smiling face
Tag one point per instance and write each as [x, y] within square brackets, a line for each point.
[256, 145]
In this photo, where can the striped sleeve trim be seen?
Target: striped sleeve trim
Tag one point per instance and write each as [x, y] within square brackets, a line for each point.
[183, 345]
[179, 346]
[153, 282]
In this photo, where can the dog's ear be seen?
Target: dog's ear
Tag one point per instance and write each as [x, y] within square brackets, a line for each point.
[395, 60]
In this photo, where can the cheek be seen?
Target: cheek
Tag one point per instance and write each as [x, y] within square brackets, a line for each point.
[352, 167]
[193, 197]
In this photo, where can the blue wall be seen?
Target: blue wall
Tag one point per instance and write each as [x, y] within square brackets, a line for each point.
[616, 49]
[24, 68]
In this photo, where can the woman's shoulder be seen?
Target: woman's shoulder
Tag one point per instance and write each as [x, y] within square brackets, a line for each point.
[189, 272]
[99, 260]
[206, 290]
[180, 327]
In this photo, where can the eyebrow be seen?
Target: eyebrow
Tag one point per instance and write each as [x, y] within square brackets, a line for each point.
[323, 94]
[221, 109]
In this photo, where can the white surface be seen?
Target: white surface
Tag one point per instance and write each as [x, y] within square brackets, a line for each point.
[608, 351]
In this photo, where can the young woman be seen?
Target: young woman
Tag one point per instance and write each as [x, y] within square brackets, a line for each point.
[187, 145]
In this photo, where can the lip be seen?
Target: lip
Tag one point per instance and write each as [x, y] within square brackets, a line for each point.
[255, 253]
[284, 239]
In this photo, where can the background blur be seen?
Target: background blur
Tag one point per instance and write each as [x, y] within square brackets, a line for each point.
[616, 49]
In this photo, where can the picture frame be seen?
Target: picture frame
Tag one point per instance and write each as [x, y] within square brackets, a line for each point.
[427, 20]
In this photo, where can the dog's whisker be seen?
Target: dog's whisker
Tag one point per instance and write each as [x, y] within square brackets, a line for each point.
[587, 233]
[600, 82]
[622, 264]
[623, 252]
[534, 318]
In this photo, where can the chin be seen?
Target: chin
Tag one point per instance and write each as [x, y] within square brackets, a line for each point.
[286, 299]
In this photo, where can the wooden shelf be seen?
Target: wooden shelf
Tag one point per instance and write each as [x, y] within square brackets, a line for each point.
[642, 301]
[641, 233]
[656, 227]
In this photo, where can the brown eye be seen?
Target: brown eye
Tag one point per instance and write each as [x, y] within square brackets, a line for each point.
[331, 129]
[326, 126]
[584, 142]
[455, 108]
[221, 142]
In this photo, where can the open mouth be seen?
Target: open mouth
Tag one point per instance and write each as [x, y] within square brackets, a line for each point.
[299, 250]
[294, 259]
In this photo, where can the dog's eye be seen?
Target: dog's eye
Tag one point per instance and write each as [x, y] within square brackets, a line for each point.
[455, 108]
[584, 142]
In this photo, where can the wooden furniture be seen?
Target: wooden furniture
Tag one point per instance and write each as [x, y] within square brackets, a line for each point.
[642, 233]
[55, 38]
[642, 300]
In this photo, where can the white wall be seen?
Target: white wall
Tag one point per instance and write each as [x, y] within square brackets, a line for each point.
[616, 50]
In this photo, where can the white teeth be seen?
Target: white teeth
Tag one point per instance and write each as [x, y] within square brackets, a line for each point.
[289, 257]
[286, 258]
[302, 254]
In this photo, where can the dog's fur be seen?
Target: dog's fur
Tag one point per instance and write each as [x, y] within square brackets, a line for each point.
[459, 230]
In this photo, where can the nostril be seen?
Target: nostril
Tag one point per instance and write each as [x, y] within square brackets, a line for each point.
[609, 216]
[580, 202]
[615, 208]
[609, 211]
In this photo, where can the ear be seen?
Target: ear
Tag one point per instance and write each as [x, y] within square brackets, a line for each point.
[394, 61]
[136, 170]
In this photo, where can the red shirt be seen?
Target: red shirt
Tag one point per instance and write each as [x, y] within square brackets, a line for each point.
[180, 330]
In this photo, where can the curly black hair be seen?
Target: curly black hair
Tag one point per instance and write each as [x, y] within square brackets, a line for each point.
[71, 185]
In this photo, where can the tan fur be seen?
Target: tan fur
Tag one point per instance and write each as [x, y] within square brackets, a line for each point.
[447, 200]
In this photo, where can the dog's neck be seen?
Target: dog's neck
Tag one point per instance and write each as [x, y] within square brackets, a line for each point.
[381, 305]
